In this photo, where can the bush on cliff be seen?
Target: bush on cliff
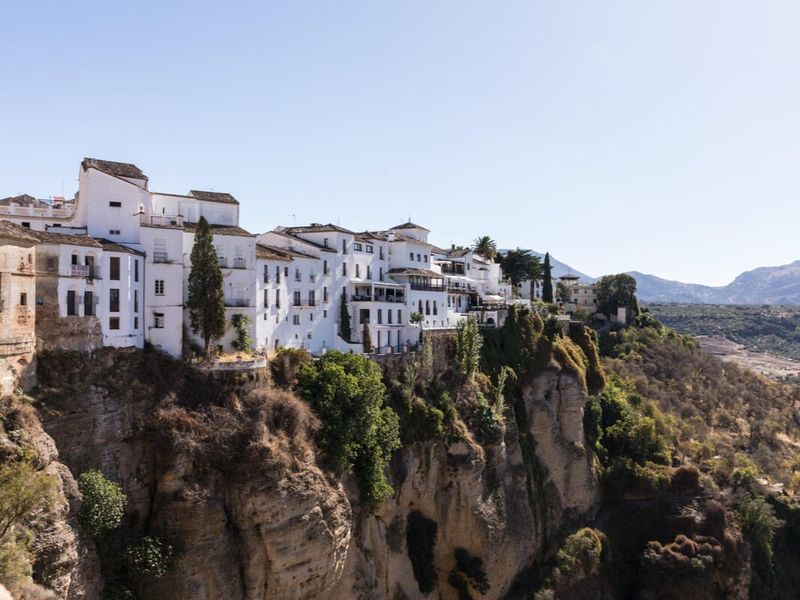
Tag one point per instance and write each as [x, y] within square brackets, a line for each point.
[358, 432]
[103, 503]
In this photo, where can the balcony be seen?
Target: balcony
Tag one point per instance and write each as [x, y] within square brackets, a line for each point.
[175, 221]
[239, 263]
[88, 271]
[160, 257]
[368, 298]
[427, 287]
[50, 212]
[236, 302]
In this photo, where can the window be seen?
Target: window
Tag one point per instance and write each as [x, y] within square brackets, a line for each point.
[23, 299]
[324, 267]
[158, 320]
[358, 246]
[72, 305]
[380, 252]
[51, 264]
[296, 298]
[297, 275]
[427, 307]
[136, 301]
[114, 232]
[310, 318]
[286, 271]
[389, 316]
[344, 246]
[311, 298]
[370, 249]
[344, 269]
[380, 316]
[88, 304]
[115, 204]
[266, 273]
[277, 274]
[325, 242]
[160, 250]
[369, 272]
[159, 287]
[277, 298]
[74, 259]
[136, 269]
[418, 258]
[113, 323]
[114, 268]
[410, 256]
[324, 314]
[399, 317]
[425, 258]
[136, 322]
[358, 270]
[113, 300]
[26, 224]
[435, 310]
[266, 299]
[325, 294]
[295, 319]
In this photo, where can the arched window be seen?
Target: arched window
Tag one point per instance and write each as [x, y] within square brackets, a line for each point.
[420, 307]
[418, 258]
[435, 309]
[427, 307]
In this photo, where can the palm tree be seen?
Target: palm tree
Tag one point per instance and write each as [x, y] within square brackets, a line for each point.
[485, 246]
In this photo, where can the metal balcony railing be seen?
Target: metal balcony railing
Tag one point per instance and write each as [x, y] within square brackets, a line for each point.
[236, 302]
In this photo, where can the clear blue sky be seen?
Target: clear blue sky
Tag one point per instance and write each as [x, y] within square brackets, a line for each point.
[657, 136]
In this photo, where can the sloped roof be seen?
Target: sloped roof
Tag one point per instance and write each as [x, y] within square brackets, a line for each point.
[220, 229]
[266, 252]
[314, 227]
[220, 197]
[115, 247]
[297, 238]
[409, 225]
[458, 252]
[118, 169]
[70, 239]
[24, 200]
[16, 232]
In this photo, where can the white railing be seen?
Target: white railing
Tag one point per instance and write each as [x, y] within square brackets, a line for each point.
[29, 211]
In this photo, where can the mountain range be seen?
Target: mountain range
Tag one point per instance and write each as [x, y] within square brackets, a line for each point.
[764, 285]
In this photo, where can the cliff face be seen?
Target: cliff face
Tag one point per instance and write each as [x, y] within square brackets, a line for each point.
[501, 504]
[256, 518]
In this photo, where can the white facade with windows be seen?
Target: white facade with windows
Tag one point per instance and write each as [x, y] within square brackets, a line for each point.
[124, 257]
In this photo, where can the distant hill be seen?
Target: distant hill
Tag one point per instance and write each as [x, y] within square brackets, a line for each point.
[559, 268]
[765, 285]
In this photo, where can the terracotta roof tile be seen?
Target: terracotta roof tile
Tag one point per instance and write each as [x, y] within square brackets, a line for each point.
[220, 197]
[117, 169]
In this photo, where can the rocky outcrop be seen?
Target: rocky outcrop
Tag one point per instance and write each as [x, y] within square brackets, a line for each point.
[270, 524]
[66, 560]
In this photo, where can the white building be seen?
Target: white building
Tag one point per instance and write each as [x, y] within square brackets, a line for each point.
[120, 254]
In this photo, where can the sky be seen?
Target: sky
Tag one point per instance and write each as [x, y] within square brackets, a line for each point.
[662, 137]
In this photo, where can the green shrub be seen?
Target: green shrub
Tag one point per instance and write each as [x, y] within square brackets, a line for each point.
[358, 433]
[579, 557]
[468, 346]
[103, 503]
[241, 324]
[24, 490]
[420, 542]
[149, 557]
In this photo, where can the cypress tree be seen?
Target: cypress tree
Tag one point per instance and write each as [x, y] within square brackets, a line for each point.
[547, 283]
[206, 301]
[344, 319]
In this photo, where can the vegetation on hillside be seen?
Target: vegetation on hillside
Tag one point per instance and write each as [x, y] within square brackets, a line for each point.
[771, 329]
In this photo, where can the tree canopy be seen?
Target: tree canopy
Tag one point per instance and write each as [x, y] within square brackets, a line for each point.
[521, 265]
[616, 291]
[547, 279]
[358, 433]
[485, 246]
[206, 300]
